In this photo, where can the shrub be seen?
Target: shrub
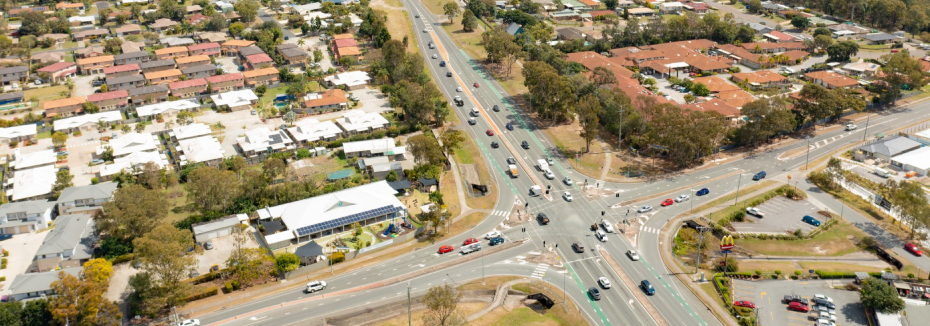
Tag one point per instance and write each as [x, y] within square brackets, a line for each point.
[123, 258]
[758, 272]
[852, 286]
[94, 180]
[777, 272]
[909, 275]
[337, 257]
[207, 292]
[797, 273]
[229, 287]
[204, 278]
[739, 216]
[2, 278]
[287, 262]
[3, 260]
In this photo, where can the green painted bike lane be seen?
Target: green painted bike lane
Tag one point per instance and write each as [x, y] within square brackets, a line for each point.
[674, 293]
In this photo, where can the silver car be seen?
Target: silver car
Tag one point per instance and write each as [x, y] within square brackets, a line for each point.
[644, 209]
[567, 181]
[682, 198]
[549, 175]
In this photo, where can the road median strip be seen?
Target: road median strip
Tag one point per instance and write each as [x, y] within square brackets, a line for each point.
[666, 193]
[390, 281]
[640, 296]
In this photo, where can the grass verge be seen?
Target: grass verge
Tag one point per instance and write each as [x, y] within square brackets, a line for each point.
[731, 196]
[833, 242]
[470, 154]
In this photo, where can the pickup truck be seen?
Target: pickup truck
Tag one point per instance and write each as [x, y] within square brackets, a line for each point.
[754, 211]
[513, 171]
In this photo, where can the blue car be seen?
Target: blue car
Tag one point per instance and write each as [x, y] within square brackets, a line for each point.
[647, 287]
[759, 176]
[810, 220]
[5, 237]
[703, 192]
[496, 241]
[509, 126]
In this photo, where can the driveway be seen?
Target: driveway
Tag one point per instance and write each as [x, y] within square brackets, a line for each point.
[22, 248]
[119, 286]
[782, 215]
[83, 85]
[237, 123]
[768, 296]
[222, 248]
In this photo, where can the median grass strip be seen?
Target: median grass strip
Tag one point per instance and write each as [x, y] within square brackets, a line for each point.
[833, 242]
[732, 195]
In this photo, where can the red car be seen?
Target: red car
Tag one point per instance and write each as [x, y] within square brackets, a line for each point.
[445, 249]
[489, 132]
[745, 303]
[894, 51]
[914, 249]
[469, 241]
[797, 306]
[668, 202]
[476, 85]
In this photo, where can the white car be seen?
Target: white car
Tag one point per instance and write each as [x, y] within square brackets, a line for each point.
[821, 296]
[492, 234]
[425, 31]
[567, 181]
[435, 56]
[824, 322]
[824, 315]
[644, 209]
[550, 161]
[632, 254]
[458, 89]
[606, 224]
[314, 286]
[549, 175]
[754, 211]
[567, 196]
[682, 198]
[601, 235]
[851, 127]
[604, 282]
[825, 309]
[190, 322]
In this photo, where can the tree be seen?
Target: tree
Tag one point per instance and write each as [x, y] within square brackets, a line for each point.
[185, 117]
[588, 109]
[98, 271]
[800, 22]
[442, 306]
[451, 9]
[425, 150]
[700, 89]
[823, 41]
[63, 179]
[908, 198]
[33, 23]
[842, 51]
[103, 88]
[287, 261]
[816, 102]
[139, 128]
[211, 189]
[133, 211]
[755, 6]
[11, 313]
[821, 31]
[236, 28]
[451, 140]
[877, 295]
[80, 300]
[290, 117]
[392, 176]
[36, 313]
[602, 76]
[901, 72]
[59, 139]
[469, 21]
[90, 107]
[247, 9]
[161, 253]
[113, 46]
[236, 164]
[767, 117]
[611, 4]
[689, 98]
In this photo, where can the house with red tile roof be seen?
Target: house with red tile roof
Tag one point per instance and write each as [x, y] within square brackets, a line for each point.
[210, 49]
[226, 82]
[333, 99]
[729, 112]
[258, 61]
[769, 47]
[59, 71]
[760, 79]
[110, 100]
[736, 98]
[188, 88]
[591, 60]
[776, 36]
[831, 79]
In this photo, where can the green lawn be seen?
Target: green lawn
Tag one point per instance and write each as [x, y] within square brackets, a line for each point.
[69, 45]
[43, 135]
[832, 242]
[45, 93]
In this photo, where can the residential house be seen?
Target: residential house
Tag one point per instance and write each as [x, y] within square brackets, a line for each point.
[162, 77]
[881, 38]
[566, 14]
[205, 149]
[188, 88]
[67, 5]
[166, 109]
[191, 61]
[357, 121]
[715, 84]
[308, 131]
[212, 37]
[24, 161]
[890, 147]
[148, 94]
[741, 56]
[89, 199]
[38, 285]
[348, 51]
[514, 29]
[235, 100]
[174, 41]
[19, 134]
[197, 19]
[258, 61]
[90, 51]
[373, 148]
[223, 6]
[778, 37]
[65, 107]
[667, 8]
[227, 82]
[122, 70]
[25, 216]
[112, 100]
[49, 57]
[641, 12]
[14, 74]
[94, 65]
[13, 97]
[128, 29]
[795, 56]
[730, 113]
[761, 79]
[87, 121]
[157, 65]
[232, 47]
[245, 52]
[851, 28]
[90, 34]
[59, 71]
[697, 7]
[863, 68]
[193, 130]
[162, 24]
[77, 21]
[831, 79]
[736, 98]
[591, 60]
[770, 47]
[125, 82]
[262, 141]
[330, 100]
[69, 244]
[570, 34]
[257, 77]
[760, 29]
[209, 49]
[350, 80]
[292, 54]
[137, 57]
[132, 163]
[32, 184]
[170, 53]
[195, 9]
[201, 71]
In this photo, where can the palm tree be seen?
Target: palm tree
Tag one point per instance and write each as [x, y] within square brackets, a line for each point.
[300, 42]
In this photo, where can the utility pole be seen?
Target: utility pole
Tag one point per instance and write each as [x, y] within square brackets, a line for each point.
[698, 266]
[409, 321]
[867, 119]
[806, 166]
[737, 188]
[692, 199]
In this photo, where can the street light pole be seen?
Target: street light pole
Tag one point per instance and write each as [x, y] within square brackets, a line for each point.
[867, 119]
[740, 179]
[692, 201]
[409, 320]
[701, 241]
[807, 165]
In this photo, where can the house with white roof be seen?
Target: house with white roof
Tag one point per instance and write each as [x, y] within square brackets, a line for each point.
[166, 109]
[25, 216]
[204, 149]
[262, 141]
[88, 121]
[132, 163]
[31, 184]
[310, 130]
[307, 8]
[190, 131]
[129, 143]
[917, 160]
[20, 133]
[351, 80]
[336, 212]
[373, 147]
[862, 68]
[35, 285]
[235, 100]
[357, 121]
[69, 244]
[32, 160]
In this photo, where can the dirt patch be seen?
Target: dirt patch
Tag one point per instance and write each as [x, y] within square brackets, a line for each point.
[397, 22]
[547, 257]
[470, 174]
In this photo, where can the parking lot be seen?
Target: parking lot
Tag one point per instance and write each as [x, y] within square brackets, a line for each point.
[781, 215]
[22, 248]
[222, 247]
[768, 296]
[237, 123]
[372, 100]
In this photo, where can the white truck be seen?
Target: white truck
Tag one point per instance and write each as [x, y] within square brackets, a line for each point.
[513, 171]
[535, 190]
[882, 172]
[471, 248]
[542, 165]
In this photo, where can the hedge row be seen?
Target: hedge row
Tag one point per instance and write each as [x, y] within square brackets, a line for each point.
[232, 286]
[205, 277]
[123, 258]
[207, 292]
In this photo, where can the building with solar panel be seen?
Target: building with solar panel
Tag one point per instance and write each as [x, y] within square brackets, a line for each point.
[336, 212]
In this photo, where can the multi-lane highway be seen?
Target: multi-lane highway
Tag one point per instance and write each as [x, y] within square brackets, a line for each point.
[570, 220]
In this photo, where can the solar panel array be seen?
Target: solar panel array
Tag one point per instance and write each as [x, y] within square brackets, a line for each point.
[347, 220]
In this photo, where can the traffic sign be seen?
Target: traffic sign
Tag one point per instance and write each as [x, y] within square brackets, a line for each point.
[726, 243]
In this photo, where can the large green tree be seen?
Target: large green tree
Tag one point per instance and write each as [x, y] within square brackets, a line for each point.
[133, 211]
[211, 189]
[247, 9]
[451, 9]
[469, 21]
[901, 71]
[880, 296]
[162, 253]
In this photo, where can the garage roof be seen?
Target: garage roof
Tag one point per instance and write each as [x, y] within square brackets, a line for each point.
[210, 226]
[919, 158]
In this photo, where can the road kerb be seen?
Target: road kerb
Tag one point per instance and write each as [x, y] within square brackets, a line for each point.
[640, 296]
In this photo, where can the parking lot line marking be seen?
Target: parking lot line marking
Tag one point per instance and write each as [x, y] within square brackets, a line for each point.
[801, 319]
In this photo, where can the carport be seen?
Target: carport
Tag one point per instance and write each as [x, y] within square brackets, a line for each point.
[216, 228]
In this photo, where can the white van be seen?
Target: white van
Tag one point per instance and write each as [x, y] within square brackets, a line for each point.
[474, 111]
[471, 248]
[882, 172]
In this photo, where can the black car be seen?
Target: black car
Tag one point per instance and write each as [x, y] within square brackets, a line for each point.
[759, 176]
[496, 108]
[443, 64]
[525, 145]
[824, 302]
[578, 247]
[494, 144]
[97, 82]
[511, 160]
[595, 293]
[793, 298]
[449, 74]
[542, 218]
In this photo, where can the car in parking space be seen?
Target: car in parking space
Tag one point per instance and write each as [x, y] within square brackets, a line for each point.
[566, 195]
[823, 322]
[759, 176]
[913, 249]
[810, 220]
[443, 64]
[823, 302]
[604, 282]
[490, 132]
[494, 144]
[445, 249]
[632, 254]
[314, 286]
[595, 293]
[448, 74]
[208, 245]
[6, 236]
[789, 298]
[667, 202]
[549, 175]
[600, 235]
[509, 126]
[511, 160]
[469, 241]
[96, 161]
[606, 225]
[493, 234]
[682, 198]
[577, 247]
[823, 297]
[647, 287]
[828, 316]
[496, 108]
[745, 304]
[703, 192]
[754, 211]
[567, 181]
[825, 309]
[644, 209]
[798, 306]
[525, 145]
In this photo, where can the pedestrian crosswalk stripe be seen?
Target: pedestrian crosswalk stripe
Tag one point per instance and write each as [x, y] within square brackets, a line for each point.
[540, 271]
